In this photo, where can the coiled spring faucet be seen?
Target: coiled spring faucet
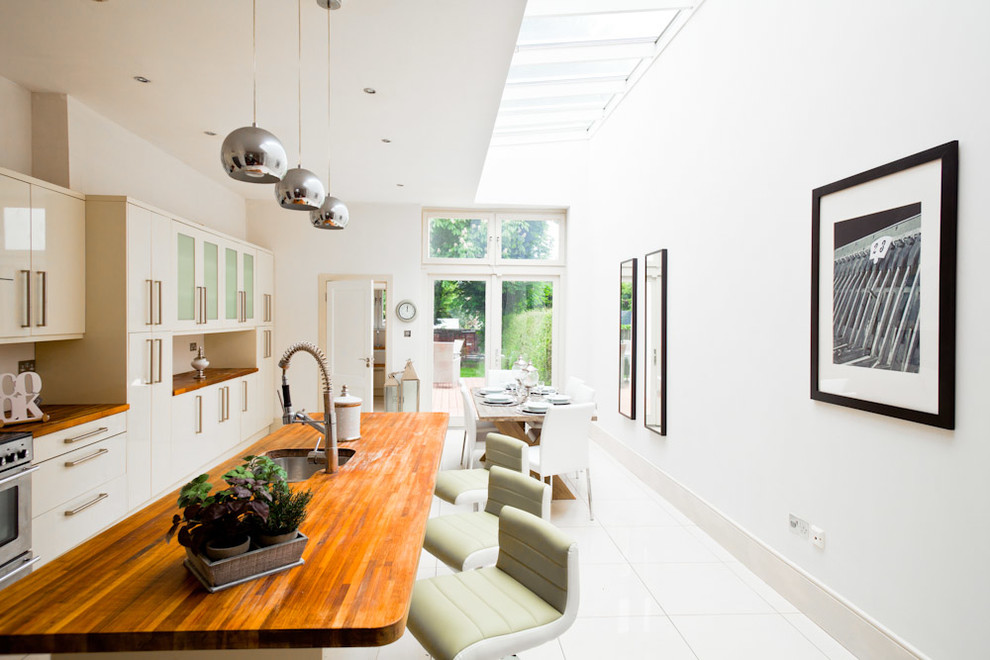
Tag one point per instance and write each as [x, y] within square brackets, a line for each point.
[329, 426]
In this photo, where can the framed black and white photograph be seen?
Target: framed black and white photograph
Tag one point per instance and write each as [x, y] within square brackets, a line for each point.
[883, 281]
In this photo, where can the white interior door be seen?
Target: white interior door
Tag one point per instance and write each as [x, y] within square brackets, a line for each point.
[350, 337]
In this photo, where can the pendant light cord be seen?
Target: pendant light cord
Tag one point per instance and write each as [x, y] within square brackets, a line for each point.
[299, 64]
[254, 58]
[329, 148]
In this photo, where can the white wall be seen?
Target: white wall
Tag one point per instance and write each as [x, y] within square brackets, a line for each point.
[381, 239]
[714, 156]
[15, 127]
[547, 174]
[106, 159]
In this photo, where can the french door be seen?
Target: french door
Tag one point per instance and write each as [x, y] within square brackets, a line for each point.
[485, 322]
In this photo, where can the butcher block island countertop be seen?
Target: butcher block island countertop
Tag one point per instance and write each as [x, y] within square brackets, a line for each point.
[127, 590]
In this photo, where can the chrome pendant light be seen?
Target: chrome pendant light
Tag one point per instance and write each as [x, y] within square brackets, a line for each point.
[250, 153]
[333, 214]
[299, 189]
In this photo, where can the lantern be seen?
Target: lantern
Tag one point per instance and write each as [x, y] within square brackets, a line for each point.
[392, 392]
[410, 389]
[402, 393]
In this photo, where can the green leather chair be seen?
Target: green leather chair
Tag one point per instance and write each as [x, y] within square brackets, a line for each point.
[469, 540]
[471, 486]
[529, 597]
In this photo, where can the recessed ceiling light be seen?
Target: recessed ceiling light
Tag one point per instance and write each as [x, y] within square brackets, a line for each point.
[386, 141]
[401, 185]
[210, 133]
[142, 79]
[370, 90]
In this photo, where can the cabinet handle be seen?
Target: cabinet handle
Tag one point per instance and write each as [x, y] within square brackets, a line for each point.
[27, 298]
[158, 283]
[151, 362]
[268, 308]
[159, 379]
[226, 403]
[151, 302]
[77, 438]
[82, 507]
[221, 417]
[43, 276]
[95, 454]
[244, 383]
[199, 414]
[268, 344]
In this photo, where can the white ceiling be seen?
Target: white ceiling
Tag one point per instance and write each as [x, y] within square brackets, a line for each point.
[438, 66]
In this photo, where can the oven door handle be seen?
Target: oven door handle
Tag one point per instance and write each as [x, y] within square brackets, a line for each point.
[19, 474]
[28, 563]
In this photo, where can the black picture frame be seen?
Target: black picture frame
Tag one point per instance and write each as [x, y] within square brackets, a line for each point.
[655, 342]
[883, 287]
[627, 337]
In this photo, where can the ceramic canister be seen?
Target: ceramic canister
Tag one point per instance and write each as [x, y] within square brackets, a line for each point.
[348, 409]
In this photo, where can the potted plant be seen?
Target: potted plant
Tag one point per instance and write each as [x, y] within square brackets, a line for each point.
[286, 511]
[217, 524]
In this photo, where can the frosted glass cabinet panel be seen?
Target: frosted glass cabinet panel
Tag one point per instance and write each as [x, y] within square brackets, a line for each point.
[197, 277]
[238, 299]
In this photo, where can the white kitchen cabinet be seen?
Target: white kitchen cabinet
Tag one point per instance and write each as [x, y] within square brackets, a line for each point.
[198, 278]
[80, 486]
[206, 423]
[239, 288]
[150, 287]
[42, 260]
[265, 287]
[149, 394]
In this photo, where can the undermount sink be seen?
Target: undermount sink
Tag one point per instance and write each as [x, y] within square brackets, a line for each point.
[299, 467]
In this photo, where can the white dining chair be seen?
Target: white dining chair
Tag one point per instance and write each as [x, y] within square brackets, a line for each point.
[582, 393]
[563, 444]
[570, 388]
[497, 377]
[475, 431]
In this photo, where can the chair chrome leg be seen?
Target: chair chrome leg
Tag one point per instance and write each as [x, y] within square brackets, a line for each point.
[587, 475]
[464, 447]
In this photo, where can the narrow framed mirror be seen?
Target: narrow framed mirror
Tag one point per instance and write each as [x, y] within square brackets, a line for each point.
[655, 329]
[627, 338]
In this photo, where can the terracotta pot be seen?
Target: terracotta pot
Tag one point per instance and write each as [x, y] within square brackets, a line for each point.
[266, 539]
[218, 549]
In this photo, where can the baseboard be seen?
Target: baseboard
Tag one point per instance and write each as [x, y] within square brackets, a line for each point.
[847, 624]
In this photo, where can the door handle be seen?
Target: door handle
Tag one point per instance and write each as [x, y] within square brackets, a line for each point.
[43, 276]
[95, 454]
[27, 298]
[151, 362]
[82, 507]
[367, 361]
[151, 302]
[158, 283]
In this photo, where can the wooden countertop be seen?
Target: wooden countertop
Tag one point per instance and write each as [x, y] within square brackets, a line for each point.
[126, 590]
[187, 382]
[62, 417]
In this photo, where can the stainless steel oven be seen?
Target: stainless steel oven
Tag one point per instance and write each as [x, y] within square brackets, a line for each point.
[16, 557]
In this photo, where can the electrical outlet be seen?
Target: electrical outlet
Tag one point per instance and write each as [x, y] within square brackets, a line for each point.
[192, 346]
[407, 333]
[25, 365]
[818, 536]
[798, 526]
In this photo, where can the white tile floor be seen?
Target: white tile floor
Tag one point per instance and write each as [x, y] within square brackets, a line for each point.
[653, 585]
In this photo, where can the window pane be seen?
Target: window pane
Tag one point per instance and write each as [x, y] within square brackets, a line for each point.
[527, 325]
[594, 27]
[531, 239]
[552, 71]
[458, 323]
[458, 238]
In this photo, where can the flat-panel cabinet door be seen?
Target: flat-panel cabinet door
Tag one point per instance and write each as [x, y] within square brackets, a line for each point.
[195, 425]
[198, 278]
[163, 309]
[264, 287]
[58, 262]
[149, 394]
[140, 279]
[15, 257]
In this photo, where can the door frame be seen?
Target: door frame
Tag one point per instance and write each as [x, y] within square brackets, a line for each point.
[321, 295]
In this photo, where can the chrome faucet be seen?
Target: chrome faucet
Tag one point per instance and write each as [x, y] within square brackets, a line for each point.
[329, 427]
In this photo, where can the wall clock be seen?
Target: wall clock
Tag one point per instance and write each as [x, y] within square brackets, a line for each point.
[405, 310]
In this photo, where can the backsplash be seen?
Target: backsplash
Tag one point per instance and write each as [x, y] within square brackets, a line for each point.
[11, 354]
[183, 351]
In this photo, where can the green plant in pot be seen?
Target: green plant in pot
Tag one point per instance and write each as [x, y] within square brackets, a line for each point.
[286, 512]
[218, 524]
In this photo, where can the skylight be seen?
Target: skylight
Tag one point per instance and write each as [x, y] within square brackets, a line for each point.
[576, 59]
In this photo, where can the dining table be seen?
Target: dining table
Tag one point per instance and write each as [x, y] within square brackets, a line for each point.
[512, 419]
